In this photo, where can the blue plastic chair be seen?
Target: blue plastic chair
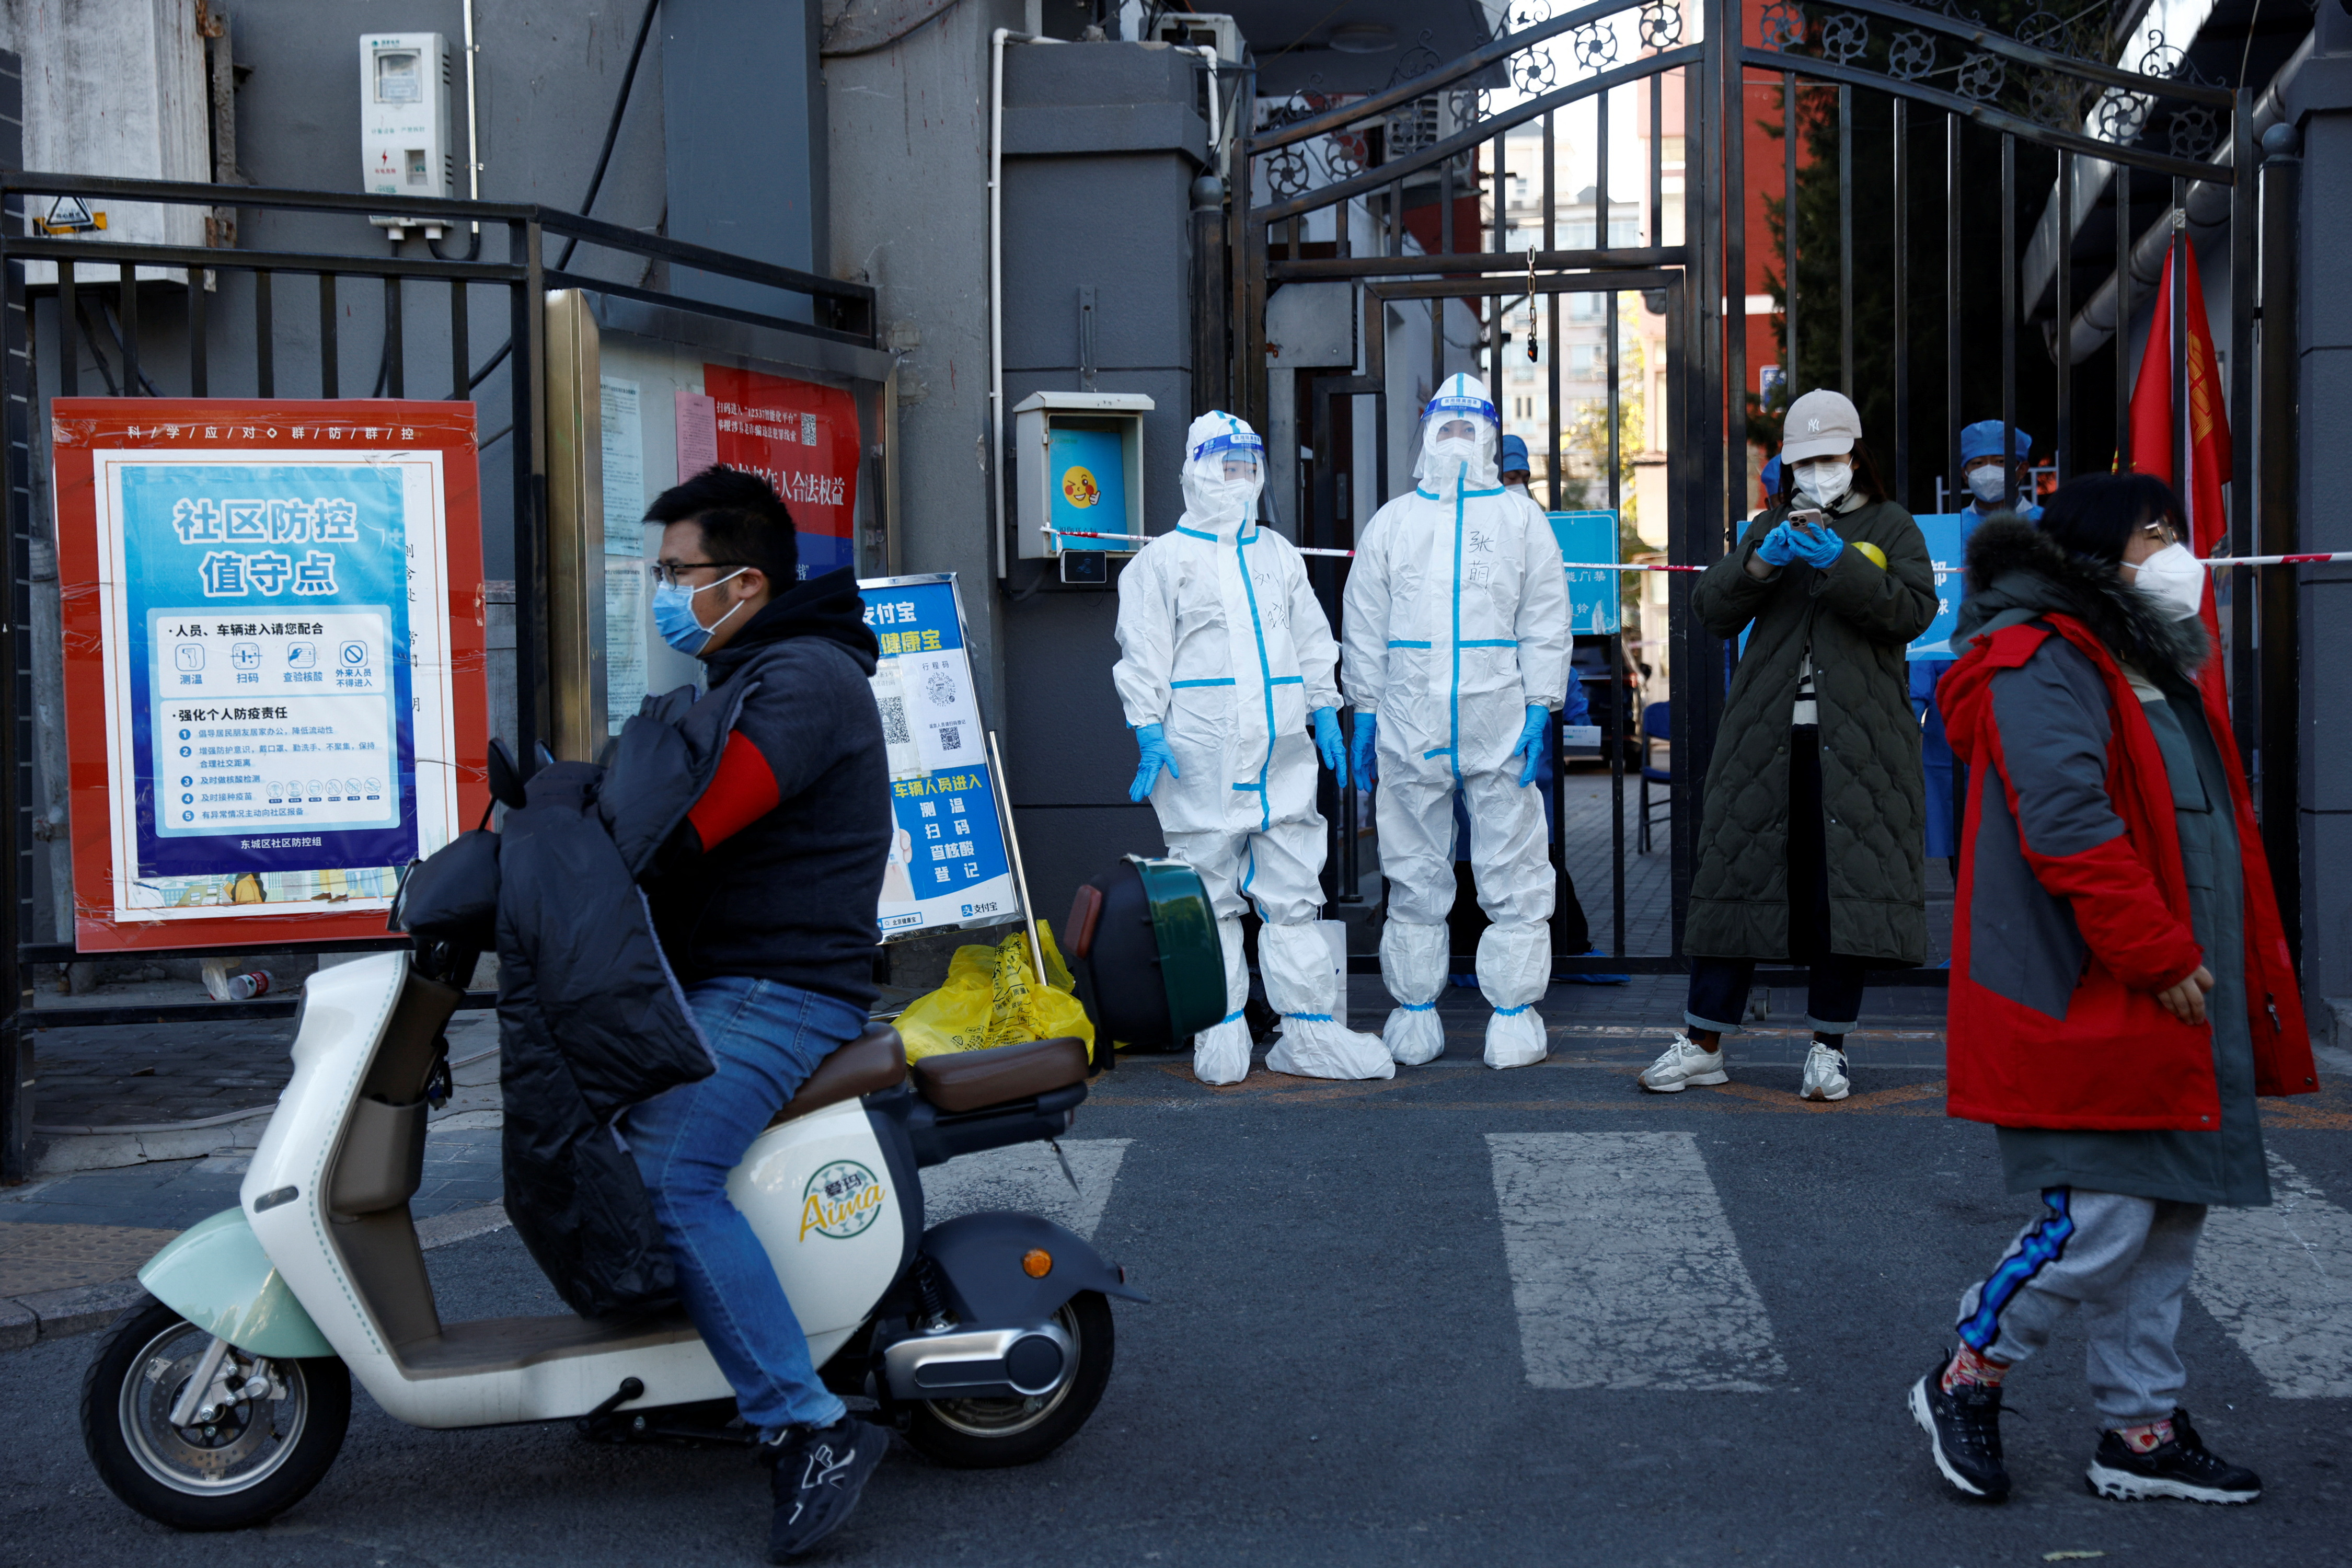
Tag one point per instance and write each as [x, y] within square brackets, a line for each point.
[1657, 724]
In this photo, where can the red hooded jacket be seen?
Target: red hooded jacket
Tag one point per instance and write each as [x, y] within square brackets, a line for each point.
[2115, 1060]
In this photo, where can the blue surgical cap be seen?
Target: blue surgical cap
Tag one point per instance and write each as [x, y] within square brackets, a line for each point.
[1514, 455]
[1982, 439]
[1773, 476]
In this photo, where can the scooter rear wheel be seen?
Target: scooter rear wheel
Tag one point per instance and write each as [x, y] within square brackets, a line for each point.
[990, 1434]
[258, 1456]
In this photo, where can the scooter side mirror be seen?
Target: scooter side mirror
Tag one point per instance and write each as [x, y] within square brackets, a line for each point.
[506, 779]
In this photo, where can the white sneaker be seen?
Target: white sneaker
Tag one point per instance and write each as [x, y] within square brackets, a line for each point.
[1825, 1074]
[1683, 1065]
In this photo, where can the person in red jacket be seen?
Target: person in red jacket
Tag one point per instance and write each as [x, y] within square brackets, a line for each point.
[2121, 987]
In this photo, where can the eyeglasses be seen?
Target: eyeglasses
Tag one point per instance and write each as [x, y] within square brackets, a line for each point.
[666, 573]
[2160, 532]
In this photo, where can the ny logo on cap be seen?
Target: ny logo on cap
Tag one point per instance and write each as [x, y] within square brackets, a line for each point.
[1812, 427]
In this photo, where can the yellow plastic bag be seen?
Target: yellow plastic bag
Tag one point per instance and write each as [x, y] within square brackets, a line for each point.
[991, 998]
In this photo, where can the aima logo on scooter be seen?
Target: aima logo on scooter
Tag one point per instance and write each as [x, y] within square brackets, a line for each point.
[840, 1200]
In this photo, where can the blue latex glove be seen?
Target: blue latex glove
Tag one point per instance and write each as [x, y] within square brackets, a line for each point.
[1328, 742]
[1361, 753]
[1778, 547]
[1818, 546]
[1531, 740]
[1151, 742]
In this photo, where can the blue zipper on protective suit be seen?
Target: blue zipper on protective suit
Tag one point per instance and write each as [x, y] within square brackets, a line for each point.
[1452, 751]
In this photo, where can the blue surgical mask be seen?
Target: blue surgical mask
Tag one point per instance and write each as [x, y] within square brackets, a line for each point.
[674, 614]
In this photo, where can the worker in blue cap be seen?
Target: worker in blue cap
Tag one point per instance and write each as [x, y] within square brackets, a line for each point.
[1772, 480]
[1516, 470]
[1988, 479]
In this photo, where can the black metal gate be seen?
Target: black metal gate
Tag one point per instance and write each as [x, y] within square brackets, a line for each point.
[168, 351]
[2051, 93]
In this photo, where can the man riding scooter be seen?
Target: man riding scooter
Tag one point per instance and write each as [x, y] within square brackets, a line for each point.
[764, 903]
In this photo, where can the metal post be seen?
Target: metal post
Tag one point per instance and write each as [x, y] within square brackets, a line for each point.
[1551, 313]
[2007, 319]
[1845, 239]
[1901, 148]
[1788, 210]
[534, 704]
[1953, 417]
[2244, 272]
[329, 355]
[2282, 179]
[2062, 451]
[16, 739]
[2183, 476]
[2120, 184]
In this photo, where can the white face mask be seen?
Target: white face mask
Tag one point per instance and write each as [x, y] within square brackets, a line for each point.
[1824, 483]
[1986, 483]
[2175, 577]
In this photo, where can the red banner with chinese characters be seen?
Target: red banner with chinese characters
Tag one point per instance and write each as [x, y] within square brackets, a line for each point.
[802, 438]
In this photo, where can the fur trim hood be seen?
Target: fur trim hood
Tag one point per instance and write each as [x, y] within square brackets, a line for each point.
[2014, 566]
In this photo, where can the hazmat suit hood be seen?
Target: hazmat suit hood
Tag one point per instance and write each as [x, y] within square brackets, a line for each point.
[1446, 465]
[1212, 502]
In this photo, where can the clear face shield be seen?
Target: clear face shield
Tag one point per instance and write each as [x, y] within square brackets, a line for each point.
[1224, 476]
[1460, 432]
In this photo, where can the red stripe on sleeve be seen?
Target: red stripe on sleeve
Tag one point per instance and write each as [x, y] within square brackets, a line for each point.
[741, 792]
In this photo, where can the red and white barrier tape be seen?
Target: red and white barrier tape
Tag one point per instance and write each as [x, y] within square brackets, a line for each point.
[1662, 566]
[1346, 554]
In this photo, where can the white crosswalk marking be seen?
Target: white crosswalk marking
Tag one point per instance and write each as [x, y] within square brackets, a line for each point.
[2280, 1280]
[1623, 1270]
[1028, 1179]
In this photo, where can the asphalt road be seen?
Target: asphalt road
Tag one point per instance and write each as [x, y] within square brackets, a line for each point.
[1356, 1355]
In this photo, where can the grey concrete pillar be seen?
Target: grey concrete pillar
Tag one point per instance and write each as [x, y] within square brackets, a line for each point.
[2321, 98]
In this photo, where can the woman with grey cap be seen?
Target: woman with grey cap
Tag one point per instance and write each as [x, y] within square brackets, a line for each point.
[1810, 848]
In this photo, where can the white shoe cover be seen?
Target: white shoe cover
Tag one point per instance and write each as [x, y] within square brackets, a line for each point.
[1515, 1039]
[1319, 1048]
[1413, 966]
[1514, 969]
[1220, 1053]
[1296, 961]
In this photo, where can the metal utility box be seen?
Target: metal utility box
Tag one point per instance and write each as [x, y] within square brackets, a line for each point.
[404, 146]
[1078, 466]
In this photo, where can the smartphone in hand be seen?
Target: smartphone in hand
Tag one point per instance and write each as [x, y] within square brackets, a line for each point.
[1805, 519]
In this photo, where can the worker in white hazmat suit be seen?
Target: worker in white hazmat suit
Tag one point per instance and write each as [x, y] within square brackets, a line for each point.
[1227, 661]
[1456, 627]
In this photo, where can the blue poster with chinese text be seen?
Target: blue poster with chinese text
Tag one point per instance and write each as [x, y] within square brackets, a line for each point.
[267, 609]
[947, 865]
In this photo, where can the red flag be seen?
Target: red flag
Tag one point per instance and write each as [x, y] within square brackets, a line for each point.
[2209, 433]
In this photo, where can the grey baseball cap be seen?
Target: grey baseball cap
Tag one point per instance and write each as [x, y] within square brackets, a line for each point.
[1820, 423]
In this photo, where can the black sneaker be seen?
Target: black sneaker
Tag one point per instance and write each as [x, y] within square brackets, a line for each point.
[819, 1474]
[1963, 1431]
[2184, 1467]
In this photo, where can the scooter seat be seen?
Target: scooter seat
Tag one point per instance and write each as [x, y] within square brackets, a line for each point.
[957, 1081]
[869, 1064]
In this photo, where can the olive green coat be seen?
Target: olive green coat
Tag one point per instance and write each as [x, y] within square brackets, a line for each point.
[1857, 617]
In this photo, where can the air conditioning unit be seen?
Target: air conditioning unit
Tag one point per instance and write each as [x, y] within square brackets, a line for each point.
[1194, 29]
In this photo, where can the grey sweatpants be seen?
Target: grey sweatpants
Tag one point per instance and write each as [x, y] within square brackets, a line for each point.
[2126, 1261]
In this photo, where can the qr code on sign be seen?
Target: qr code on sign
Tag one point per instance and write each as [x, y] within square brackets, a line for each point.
[950, 737]
[808, 429]
[893, 721]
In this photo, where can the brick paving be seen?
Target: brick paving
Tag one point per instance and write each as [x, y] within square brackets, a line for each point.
[34, 1258]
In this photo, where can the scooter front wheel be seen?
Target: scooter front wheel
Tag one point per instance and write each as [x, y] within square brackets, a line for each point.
[989, 1434]
[270, 1432]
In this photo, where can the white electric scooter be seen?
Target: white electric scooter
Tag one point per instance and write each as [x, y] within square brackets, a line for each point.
[987, 1339]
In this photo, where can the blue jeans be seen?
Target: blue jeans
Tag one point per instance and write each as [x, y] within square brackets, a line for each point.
[769, 1037]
